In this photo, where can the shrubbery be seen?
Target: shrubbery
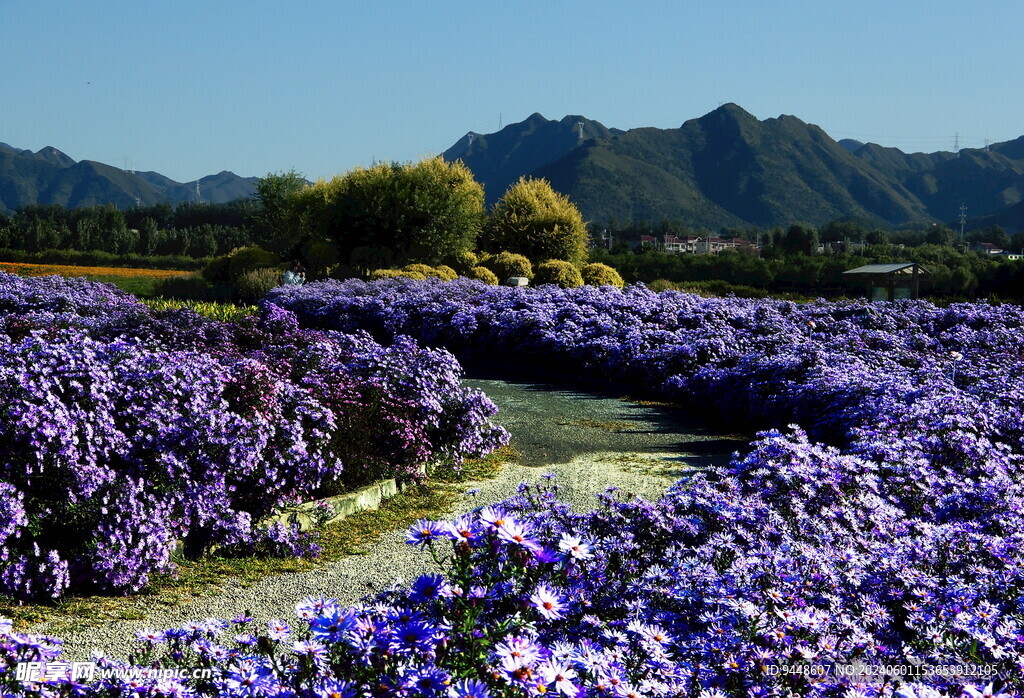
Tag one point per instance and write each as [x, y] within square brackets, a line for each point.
[253, 285]
[191, 287]
[507, 264]
[227, 269]
[597, 274]
[378, 274]
[483, 274]
[463, 262]
[555, 271]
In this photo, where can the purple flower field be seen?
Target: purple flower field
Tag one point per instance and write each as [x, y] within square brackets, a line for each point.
[873, 550]
[124, 430]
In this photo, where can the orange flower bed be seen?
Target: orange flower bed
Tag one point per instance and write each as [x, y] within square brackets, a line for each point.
[24, 269]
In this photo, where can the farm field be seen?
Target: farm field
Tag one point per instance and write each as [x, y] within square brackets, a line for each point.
[136, 281]
[867, 542]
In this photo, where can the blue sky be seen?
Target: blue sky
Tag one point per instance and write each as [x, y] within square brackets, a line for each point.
[189, 88]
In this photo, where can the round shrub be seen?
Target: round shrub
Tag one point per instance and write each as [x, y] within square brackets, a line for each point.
[425, 270]
[227, 269]
[483, 274]
[378, 274]
[597, 274]
[659, 285]
[255, 284]
[445, 273]
[506, 264]
[556, 271]
[463, 261]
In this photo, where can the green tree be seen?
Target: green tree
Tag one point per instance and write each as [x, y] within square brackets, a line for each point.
[534, 220]
[800, 239]
[278, 197]
[994, 234]
[425, 212]
[939, 235]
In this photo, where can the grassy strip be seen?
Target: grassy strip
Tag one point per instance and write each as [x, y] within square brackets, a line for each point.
[224, 312]
[433, 499]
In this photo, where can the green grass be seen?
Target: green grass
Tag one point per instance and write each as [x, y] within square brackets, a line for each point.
[139, 286]
[193, 579]
[225, 312]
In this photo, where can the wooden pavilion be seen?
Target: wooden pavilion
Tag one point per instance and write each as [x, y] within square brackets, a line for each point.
[890, 282]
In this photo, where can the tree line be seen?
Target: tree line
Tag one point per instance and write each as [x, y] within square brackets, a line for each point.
[432, 212]
[188, 229]
[953, 273]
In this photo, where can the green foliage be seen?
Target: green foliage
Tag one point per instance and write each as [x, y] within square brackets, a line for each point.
[378, 274]
[463, 261]
[246, 259]
[227, 269]
[506, 264]
[425, 269]
[534, 220]
[659, 285]
[557, 271]
[598, 274]
[800, 238]
[225, 312]
[483, 274]
[424, 212]
[98, 258]
[277, 194]
[191, 287]
[939, 235]
[367, 257]
[253, 285]
[445, 273]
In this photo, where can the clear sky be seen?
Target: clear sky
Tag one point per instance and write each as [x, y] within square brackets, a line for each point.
[189, 88]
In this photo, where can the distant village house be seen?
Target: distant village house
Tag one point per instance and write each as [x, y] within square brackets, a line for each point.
[693, 244]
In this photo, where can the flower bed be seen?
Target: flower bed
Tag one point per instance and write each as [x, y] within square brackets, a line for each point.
[888, 563]
[126, 429]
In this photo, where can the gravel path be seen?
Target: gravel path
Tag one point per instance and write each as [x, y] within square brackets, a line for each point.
[589, 442]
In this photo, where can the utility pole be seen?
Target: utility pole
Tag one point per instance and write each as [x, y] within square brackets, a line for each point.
[963, 221]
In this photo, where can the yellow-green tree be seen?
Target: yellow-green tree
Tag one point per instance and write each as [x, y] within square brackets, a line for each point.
[423, 212]
[533, 219]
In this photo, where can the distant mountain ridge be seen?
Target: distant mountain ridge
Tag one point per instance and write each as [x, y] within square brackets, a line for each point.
[49, 176]
[727, 168]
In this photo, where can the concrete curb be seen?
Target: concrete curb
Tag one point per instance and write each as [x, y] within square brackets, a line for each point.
[363, 499]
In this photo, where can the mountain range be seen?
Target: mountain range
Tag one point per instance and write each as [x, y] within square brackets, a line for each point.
[727, 168]
[51, 177]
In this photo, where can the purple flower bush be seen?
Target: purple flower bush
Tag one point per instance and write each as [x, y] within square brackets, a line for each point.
[874, 550]
[125, 431]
